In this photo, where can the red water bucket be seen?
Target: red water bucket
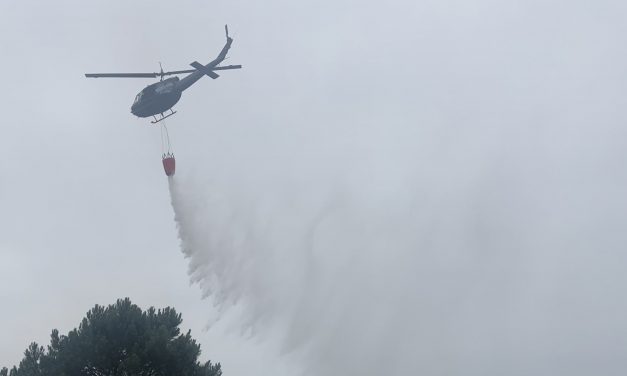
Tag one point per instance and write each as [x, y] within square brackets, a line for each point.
[169, 164]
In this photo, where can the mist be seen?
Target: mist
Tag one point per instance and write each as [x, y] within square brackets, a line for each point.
[405, 187]
[458, 211]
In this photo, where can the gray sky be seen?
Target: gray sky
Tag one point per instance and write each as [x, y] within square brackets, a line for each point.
[410, 187]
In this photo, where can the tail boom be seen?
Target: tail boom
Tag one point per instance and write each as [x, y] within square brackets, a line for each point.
[208, 69]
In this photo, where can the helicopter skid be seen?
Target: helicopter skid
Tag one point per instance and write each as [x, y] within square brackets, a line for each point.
[162, 117]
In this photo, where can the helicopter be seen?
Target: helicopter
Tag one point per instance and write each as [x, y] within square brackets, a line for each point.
[160, 97]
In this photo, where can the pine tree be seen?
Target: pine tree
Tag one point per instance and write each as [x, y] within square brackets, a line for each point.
[118, 340]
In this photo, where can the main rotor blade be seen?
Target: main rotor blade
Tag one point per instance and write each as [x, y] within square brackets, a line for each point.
[154, 74]
[227, 67]
[123, 75]
[179, 72]
[138, 75]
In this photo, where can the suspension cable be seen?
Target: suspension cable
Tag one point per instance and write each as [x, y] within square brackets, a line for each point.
[167, 135]
[162, 144]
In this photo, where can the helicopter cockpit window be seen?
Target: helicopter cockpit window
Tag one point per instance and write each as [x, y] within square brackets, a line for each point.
[138, 97]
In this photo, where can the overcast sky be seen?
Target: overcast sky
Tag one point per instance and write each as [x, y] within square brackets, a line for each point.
[407, 187]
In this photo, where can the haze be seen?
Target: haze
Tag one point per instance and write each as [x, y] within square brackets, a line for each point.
[385, 188]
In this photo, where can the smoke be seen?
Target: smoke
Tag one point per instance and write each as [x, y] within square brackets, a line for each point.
[465, 216]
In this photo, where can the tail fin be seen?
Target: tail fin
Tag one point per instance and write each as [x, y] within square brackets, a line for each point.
[225, 49]
[205, 70]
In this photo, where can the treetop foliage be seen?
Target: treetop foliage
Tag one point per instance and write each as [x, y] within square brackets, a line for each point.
[118, 340]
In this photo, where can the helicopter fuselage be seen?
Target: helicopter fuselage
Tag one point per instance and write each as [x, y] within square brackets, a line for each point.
[157, 98]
